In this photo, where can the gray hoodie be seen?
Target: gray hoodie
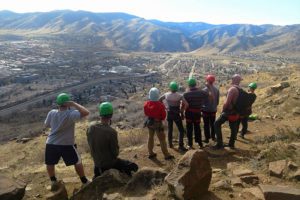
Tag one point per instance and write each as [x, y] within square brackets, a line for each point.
[211, 104]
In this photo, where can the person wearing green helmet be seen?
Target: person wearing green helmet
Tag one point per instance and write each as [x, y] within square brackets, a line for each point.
[244, 118]
[195, 98]
[61, 141]
[103, 143]
[176, 105]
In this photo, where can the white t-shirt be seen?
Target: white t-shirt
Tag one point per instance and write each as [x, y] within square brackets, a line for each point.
[62, 124]
[173, 99]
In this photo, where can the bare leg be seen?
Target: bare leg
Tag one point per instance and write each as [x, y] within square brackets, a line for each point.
[79, 169]
[51, 170]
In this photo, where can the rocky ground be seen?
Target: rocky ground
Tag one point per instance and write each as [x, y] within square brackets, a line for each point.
[265, 160]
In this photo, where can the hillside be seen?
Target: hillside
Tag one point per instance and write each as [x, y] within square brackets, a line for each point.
[273, 137]
[128, 32]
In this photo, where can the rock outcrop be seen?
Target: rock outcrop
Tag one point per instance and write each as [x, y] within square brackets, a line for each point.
[280, 192]
[11, 189]
[144, 180]
[110, 179]
[191, 177]
[276, 168]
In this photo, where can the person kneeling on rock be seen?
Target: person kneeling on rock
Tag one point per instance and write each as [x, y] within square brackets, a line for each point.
[103, 143]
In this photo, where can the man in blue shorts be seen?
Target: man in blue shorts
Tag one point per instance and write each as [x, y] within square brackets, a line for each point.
[61, 140]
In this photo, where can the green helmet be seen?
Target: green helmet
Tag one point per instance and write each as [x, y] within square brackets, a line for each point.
[62, 98]
[191, 82]
[105, 109]
[252, 86]
[173, 86]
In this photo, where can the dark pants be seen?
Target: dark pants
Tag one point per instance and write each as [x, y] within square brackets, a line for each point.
[179, 125]
[244, 121]
[124, 166]
[193, 125]
[233, 127]
[209, 129]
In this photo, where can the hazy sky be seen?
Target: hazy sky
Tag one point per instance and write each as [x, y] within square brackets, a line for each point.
[280, 12]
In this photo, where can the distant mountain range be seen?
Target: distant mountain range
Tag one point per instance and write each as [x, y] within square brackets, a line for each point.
[129, 32]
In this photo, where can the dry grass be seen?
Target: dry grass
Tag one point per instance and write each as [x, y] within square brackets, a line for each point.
[133, 137]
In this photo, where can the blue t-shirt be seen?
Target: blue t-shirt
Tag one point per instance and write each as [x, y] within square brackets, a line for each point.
[62, 124]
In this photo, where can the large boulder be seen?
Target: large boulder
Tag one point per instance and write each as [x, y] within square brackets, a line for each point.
[280, 192]
[280, 86]
[110, 179]
[144, 180]
[277, 168]
[11, 189]
[191, 177]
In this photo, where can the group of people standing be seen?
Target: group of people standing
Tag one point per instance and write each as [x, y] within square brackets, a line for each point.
[102, 139]
[192, 106]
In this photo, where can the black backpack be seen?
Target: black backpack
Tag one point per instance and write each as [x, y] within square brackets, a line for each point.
[244, 102]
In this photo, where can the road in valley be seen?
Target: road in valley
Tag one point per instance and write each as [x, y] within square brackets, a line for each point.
[53, 94]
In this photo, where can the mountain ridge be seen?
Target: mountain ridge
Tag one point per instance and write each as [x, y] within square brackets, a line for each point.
[129, 32]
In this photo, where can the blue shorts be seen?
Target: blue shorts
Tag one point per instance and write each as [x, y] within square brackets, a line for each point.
[67, 152]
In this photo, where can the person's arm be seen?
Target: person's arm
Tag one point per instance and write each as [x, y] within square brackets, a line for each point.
[218, 97]
[83, 111]
[163, 97]
[229, 98]
[47, 121]
[163, 111]
[114, 144]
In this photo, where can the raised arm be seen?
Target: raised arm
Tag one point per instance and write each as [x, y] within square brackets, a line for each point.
[83, 111]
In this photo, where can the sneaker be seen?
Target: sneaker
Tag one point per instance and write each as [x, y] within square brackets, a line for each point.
[242, 136]
[182, 148]
[54, 186]
[200, 145]
[190, 147]
[85, 184]
[170, 157]
[152, 156]
[217, 147]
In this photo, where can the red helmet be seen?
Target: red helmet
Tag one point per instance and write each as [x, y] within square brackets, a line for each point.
[210, 78]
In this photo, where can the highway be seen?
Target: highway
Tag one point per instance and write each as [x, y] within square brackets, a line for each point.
[53, 94]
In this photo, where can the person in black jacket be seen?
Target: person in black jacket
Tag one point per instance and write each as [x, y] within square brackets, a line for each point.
[245, 117]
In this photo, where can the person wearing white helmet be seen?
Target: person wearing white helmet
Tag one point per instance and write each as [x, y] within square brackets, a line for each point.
[156, 113]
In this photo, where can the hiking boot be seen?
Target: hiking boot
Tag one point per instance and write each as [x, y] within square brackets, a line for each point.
[200, 145]
[152, 156]
[206, 141]
[182, 148]
[54, 186]
[170, 157]
[217, 147]
[230, 146]
[85, 184]
[242, 136]
[190, 147]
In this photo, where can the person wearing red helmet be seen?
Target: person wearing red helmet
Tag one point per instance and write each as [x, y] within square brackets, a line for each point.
[210, 108]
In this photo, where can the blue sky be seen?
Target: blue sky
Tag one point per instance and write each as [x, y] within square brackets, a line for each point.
[279, 12]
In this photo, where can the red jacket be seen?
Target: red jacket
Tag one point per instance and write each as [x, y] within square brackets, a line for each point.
[155, 109]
